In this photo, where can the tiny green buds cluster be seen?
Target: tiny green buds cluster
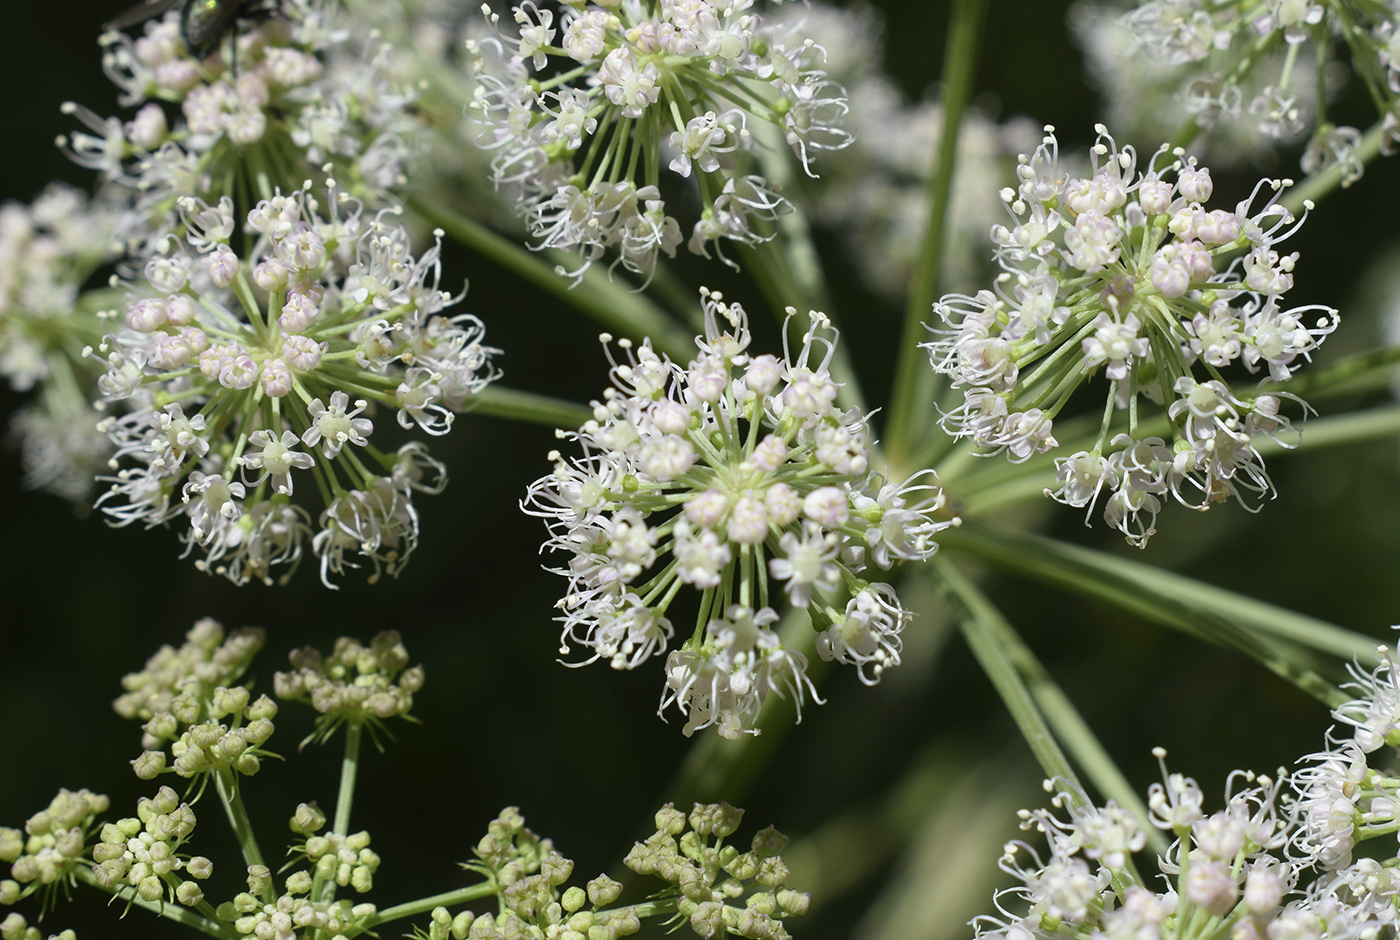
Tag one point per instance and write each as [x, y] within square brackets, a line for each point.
[15, 927]
[293, 913]
[141, 853]
[51, 846]
[714, 880]
[358, 684]
[346, 860]
[209, 726]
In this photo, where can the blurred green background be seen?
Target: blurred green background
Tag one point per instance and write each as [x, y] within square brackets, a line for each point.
[898, 798]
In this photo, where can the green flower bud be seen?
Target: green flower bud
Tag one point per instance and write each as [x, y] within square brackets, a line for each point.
[129, 826]
[602, 891]
[65, 935]
[162, 727]
[231, 745]
[624, 922]
[186, 708]
[361, 879]
[248, 764]
[670, 820]
[191, 761]
[743, 867]
[692, 845]
[693, 883]
[769, 842]
[707, 919]
[11, 844]
[9, 891]
[199, 867]
[184, 819]
[226, 912]
[556, 868]
[150, 888]
[602, 932]
[149, 765]
[258, 731]
[582, 920]
[206, 734]
[793, 903]
[262, 709]
[772, 873]
[307, 819]
[13, 927]
[763, 902]
[299, 882]
[411, 680]
[357, 841]
[259, 879]
[189, 894]
[461, 924]
[228, 701]
[25, 869]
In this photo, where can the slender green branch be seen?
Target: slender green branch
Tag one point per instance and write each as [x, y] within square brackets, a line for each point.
[423, 905]
[175, 912]
[1315, 187]
[515, 405]
[349, 770]
[911, 396]
[1278, 638]
[609, 302]
[227, 785]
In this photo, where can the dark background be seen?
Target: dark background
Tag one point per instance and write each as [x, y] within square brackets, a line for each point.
[581, 751]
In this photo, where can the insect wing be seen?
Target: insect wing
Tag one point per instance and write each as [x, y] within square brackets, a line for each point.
[206, 20]
[140, 13]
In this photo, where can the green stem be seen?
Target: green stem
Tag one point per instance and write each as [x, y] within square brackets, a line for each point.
[596, 296]
[515, 405]
[349, 769]
[227, 785]
[175, 912]
[913, 380]
[423, 905]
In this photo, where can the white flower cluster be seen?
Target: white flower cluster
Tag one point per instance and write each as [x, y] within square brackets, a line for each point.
[301, 98]
[727, 474]
[1130, 274]
[243, 374]
[1261, 62]
[623, 87]
[1246, 869]
[48, 249]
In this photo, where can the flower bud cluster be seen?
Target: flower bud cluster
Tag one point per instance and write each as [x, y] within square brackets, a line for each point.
[15, 927]
[722, 889]
[190, 703]
[292, 915]
[619, 88]
[51, 846]
[355, 683]
[1129, 275]
[243, 375]
[48, 249]
[1262, 64]
[301, 97]
[744, 471]
[345, 860]
[143, 852]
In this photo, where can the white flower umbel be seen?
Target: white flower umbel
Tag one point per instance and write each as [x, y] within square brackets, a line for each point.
[303, 97]
[48, 250]
[1127, 274]
[738, 475]
[583, 113]
[251, 380]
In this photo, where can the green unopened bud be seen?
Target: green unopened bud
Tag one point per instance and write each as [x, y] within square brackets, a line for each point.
[199, 867]
[602, 891]
[162, 727]
[165, 801]
[150, 888]
[462, 925]
[258, 731]
[772, 873]
[602, 932]
[624, 922]
[25, 869]
[692, 845]
[693, 883]
[68, 934]
[361, 879]
[262, 709]
[708, 919]
[189, 893]
[556, 869]
[756, 926]
[670, 820]
[357, 841]
[9, 891]
[231, 745]
[186, 708]
[226, 912]
[11, 844]
[149, 765]
[411, 680]
[769, 842]
[743, 867]
[190, 761]
[247, 764]
[764, 902]
[794, 903]
[13, 927]
[184, 820]
[228, 702]
[69, 843]
[299, 882]
[259, 879]
[206, 734]
[573, 899]
[129, 826]
[307, 819]
[641, 859]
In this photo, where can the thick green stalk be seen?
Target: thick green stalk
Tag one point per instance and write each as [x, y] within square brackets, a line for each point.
[226, 783]
[913, 380]
[179, 914]
[515, 405]
[609, 302]
[349, 770]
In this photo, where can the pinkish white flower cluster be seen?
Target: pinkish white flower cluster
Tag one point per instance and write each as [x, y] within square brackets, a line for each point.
[242, 376]
[1128, 274]
[582, 112]
[301, 98]
[733, 474]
